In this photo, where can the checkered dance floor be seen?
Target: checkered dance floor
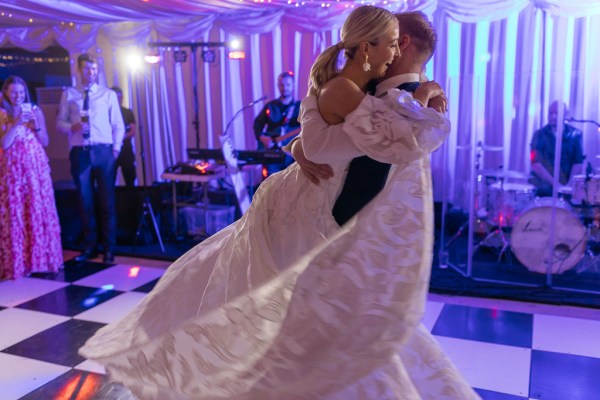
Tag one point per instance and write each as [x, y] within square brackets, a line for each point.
[506, 350]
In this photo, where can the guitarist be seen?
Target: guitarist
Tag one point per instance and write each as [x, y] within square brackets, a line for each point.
[277, 124]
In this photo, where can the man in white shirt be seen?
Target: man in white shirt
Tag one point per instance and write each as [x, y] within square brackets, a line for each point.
[90, 116]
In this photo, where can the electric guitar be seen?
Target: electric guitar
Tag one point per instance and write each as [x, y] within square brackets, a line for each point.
[277, 140]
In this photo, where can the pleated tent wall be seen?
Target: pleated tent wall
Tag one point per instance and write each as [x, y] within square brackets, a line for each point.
[501, 63]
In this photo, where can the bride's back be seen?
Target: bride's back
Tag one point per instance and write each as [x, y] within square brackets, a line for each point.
[338, 98]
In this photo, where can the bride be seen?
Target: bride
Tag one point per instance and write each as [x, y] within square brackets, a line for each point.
[285, 304]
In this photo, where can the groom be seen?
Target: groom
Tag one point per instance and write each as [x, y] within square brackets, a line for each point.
[366, 177]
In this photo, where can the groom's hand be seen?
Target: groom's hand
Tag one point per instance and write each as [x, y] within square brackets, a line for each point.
[313, 171]
[439, 103]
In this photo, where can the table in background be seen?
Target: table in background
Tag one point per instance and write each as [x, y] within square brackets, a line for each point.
[203, 179]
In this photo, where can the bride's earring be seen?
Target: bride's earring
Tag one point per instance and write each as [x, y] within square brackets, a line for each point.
[366, 66]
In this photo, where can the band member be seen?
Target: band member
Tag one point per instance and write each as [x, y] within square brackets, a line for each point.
[542, 153]
[277, 124]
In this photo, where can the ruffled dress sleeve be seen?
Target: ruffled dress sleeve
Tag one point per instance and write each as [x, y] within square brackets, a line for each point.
[396, 129]
[321, 142]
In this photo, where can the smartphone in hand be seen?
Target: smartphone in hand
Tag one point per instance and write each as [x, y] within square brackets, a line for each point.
[26, 107]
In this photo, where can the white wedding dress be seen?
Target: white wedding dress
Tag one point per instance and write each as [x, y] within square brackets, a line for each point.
[284, 304]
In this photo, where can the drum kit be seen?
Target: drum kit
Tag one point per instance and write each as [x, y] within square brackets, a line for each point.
[544, 234]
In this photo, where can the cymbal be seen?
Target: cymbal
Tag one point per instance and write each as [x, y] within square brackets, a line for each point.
[487, 147]
[481, 146]
[499, 173]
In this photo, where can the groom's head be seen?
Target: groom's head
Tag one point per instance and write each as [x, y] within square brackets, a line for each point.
[417, 42]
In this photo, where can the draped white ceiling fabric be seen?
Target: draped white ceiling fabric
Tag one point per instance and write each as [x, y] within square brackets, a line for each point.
[502, 62]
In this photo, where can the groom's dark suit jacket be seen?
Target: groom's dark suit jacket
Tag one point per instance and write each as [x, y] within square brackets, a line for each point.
[366, 177]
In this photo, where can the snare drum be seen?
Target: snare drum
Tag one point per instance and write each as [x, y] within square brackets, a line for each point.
[565, 193]
[531, 236]
[508, 200]
[586, 189]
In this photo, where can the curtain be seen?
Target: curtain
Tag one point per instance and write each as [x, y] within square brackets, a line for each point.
[501, 62]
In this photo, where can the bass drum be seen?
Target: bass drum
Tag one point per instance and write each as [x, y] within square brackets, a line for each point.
[531, 235]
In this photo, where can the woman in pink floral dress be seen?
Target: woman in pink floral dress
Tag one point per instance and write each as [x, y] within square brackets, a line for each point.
[29, 227]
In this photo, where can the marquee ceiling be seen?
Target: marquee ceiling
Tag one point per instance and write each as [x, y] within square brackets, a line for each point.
[28, 13]
[40, 13]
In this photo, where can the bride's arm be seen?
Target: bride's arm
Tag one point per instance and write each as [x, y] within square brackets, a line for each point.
[321, 142]
[410, 131]
[396, 129]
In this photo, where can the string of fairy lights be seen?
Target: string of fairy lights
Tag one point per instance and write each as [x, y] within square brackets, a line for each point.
[343, 3]
[5, 16]
[340, 4]
[11, 60]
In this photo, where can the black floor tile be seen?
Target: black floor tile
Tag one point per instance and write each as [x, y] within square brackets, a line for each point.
[147, 288]
[558, 376]
[70, 300]
[74, 271]
[74, 384]
[489, 395]
[57, 345]
[485, 325]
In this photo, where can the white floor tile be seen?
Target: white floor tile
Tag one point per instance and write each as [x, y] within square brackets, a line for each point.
[432, 313]
[113, 309]
[91, 366]
[566, 335]
[24, 324]
[22, 375]
[121, 277]
[495, 367]
[19, 291]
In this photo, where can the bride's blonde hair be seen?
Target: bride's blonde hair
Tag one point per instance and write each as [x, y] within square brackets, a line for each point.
[364, 24]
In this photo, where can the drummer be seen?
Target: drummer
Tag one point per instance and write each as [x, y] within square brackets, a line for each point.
[542, 153]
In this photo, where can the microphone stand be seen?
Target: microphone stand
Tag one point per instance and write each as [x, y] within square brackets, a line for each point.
[240, 111]
[147, 205]
[251, 178]
[583, 121]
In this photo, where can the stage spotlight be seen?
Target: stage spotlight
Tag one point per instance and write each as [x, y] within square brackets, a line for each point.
[209, 56]
[235, 44]
[180, 56]
[237, 55]
[134, 61]
[235, 50]
[152, 58]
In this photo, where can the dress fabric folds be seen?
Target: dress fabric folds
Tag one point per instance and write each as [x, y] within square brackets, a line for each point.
[29, 226]
[285, 304]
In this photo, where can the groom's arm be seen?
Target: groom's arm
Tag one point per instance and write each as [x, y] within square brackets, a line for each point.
[319, 144]
[313, 171]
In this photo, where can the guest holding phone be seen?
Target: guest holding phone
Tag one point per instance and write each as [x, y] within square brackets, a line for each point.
[29, 227]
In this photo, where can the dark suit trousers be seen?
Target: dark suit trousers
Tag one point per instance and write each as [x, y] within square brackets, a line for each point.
[126, 161]
[95, 168]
